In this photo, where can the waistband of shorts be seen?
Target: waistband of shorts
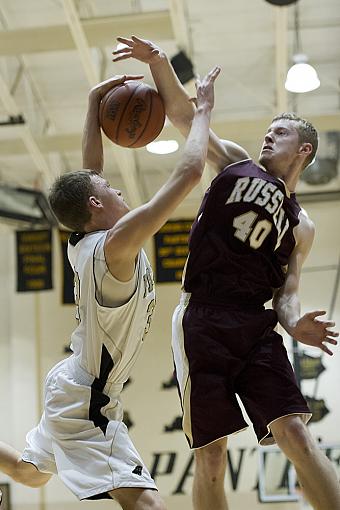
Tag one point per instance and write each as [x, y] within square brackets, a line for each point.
[77, 372]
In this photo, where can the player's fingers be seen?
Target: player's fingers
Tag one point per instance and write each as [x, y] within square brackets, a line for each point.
[127, 49]
[332, 333]
[124, 40]
[122, 56]
[137, 39]
[325, 349]
[329, 324]
[117, 80]
[134, 77]
[315, 313]
[215, 71]
[111, 82]
[330, 340]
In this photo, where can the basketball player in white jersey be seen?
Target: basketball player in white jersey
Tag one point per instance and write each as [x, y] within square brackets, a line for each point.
[223, 300]
[81, 436]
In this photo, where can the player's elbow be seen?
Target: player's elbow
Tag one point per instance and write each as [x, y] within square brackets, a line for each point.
[196, 176]
[181, 118]
[193, 173]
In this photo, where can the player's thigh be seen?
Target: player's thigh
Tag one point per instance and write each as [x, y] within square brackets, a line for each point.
[27, 474]
[138, 499]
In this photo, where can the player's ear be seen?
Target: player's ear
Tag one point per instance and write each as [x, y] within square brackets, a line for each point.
[95, 202]
[306, 149]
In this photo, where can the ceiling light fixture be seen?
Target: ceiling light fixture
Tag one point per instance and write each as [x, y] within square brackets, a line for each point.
[281, 3]
[301, 77]
[162, 147]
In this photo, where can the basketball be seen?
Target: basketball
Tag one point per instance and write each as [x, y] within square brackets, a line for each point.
[132, 114]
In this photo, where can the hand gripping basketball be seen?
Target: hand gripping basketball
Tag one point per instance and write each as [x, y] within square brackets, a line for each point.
[132, 114]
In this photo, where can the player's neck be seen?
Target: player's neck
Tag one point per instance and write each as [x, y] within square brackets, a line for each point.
[291, 181]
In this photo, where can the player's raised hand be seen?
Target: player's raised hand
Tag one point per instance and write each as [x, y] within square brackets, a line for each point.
[310, 330]
[205, 88]
[141, 49]
[101, 88]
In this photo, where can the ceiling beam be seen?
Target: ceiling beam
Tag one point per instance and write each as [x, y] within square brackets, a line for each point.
[154, 25]
[80, 42]
[181, 30]
[241, 131]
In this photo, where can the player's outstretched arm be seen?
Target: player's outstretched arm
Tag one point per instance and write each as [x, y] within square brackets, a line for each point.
[178, 106]
[308, 329]
[129, 234]
[92, 145]
[177, 102]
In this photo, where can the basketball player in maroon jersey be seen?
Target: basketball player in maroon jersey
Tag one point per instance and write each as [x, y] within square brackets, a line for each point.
[247, 246]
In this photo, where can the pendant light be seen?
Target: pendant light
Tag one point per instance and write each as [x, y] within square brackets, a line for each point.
[301, 77]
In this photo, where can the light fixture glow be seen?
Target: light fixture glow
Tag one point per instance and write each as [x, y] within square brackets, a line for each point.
[301, 77]
[162, 147]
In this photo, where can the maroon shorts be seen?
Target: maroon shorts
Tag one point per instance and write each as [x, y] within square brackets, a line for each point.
[219, 353]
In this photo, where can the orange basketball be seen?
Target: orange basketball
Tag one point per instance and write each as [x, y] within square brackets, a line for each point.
[132, 114]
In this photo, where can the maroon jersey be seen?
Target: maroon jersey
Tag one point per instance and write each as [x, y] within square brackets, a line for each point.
[242, 238]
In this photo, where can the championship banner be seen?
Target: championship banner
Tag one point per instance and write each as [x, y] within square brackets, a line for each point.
[34, 260]
[171, 247]
[6, 499]
[318, 407]
[68, 277]
[309, 367]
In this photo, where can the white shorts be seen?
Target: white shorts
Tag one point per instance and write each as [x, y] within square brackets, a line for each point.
[89, 460]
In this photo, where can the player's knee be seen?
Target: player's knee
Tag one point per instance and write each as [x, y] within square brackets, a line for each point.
[158, 505]
[294, 437]
[211, 460]
[156, 502]
[138, 498]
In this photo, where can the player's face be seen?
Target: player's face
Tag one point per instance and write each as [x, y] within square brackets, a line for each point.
[280, 148]
[114, 205]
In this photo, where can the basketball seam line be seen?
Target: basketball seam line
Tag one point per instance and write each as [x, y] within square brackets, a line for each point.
[124, 110]
[147, 120]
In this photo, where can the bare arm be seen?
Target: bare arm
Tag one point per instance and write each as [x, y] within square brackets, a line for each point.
[129, 234]
[307, 329]
[92, 145]
[178, 107]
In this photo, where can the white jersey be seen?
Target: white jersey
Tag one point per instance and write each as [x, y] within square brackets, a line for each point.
[81, 435]
[107, 340]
